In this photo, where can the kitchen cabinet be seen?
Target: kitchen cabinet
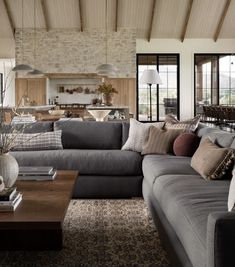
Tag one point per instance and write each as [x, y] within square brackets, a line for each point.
[126, 96]
[32, 89]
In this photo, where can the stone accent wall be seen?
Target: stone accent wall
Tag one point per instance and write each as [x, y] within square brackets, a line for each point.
[70, 51]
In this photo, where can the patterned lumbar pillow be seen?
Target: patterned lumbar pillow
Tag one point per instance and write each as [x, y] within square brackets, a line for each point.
[231, 194]
[38, 141]
[211, 161]
[188, 125]
[161, 141]
[138, 135]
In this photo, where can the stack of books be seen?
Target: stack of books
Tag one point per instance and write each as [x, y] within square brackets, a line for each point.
[39, 173]
[24, 119]
[10, 199]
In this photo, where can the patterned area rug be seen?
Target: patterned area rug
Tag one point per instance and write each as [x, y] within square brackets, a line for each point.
[107, 233]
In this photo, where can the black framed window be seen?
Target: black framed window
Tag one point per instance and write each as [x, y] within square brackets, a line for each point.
[165, 96]
[214, 80]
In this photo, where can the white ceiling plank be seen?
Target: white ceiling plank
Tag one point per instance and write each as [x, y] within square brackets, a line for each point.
[204, 18]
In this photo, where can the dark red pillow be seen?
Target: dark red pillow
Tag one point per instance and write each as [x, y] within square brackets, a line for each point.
[186, 144]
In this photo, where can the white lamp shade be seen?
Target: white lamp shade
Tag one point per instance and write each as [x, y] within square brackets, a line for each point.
[150, 77]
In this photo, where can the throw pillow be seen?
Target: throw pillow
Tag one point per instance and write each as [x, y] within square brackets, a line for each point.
[38, 141]
[186, 144]
[211, 161]
[188, 125]
[161, 141]
[138, 135]
[231, 194]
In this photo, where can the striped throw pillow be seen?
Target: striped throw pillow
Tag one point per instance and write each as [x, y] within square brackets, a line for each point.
[161, 141]
[38, 141]
[188, 126]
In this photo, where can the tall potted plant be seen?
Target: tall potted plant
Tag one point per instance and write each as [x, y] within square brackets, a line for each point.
[107, 91]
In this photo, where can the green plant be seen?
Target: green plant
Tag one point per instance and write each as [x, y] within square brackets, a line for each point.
[107, 89]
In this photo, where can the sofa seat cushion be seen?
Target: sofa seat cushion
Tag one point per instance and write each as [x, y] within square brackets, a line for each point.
[157, 165]
[87, 162]
[187, 200]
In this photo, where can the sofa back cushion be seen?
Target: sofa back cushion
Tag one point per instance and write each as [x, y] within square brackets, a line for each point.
[90, 134]
[125, 131]
[36, 127]
[221, 138]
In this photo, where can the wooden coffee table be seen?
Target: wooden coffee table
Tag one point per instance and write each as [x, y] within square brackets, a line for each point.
[37, 223]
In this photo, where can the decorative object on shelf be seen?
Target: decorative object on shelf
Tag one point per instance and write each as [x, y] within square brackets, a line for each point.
[2, 185]
[77, 88]
[22, 67]
[35, 72]
[56, 112]
[9, 169]
[107, 91]
[107, 68]
[150, 76]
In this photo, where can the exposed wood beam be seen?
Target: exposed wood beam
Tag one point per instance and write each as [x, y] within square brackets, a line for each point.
[45, 14]
[10, 18]
[81, 15]
[116, 16]
[186, 20]
[151, 20]
[219, 27]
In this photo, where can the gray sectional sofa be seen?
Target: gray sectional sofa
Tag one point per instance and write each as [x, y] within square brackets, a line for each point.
[94, 149]
[190, 212]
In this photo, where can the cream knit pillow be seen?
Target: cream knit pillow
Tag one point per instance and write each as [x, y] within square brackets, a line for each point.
[138, 135]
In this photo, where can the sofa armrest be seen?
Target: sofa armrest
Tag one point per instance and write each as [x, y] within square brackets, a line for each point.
[221, 239]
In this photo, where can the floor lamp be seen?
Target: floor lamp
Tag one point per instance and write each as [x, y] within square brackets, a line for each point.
[150, 77]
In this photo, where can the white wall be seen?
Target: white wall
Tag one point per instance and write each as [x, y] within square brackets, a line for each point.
[7, 48]
[186, 51]
[5, 67]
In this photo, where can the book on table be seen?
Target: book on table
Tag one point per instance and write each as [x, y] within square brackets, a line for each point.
[7, 194]
[35, 170]
[11, 205]
[39, 173]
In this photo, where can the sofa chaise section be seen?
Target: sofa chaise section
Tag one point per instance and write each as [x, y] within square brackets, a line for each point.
[190, 212]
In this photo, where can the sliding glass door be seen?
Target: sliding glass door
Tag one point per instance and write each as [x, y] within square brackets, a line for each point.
[214, 80]
[164, 97]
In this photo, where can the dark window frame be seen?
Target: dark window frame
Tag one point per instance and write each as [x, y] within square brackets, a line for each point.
[217, 74]
[177, 84]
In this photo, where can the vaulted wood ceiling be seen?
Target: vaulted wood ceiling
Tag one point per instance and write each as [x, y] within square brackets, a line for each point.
[177, 19]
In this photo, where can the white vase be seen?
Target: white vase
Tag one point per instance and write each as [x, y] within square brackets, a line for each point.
[9, 169]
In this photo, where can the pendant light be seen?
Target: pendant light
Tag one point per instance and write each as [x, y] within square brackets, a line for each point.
[22, 67]
[106, 69]
[35, 72]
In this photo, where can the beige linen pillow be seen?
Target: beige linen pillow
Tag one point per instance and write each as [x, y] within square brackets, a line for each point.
[211, 161]
[161, 141]
[231, 194]
[138, 135]
[189, 125]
